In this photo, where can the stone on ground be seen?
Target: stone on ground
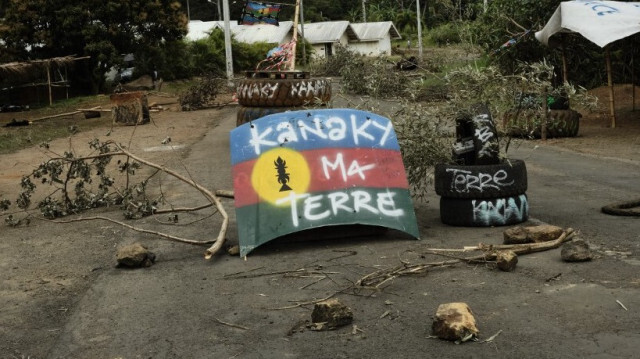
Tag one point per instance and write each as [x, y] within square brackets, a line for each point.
[506, 260]
[577, 250]
[454, 321]
[331, 314]
[516, 235]
[135, 256]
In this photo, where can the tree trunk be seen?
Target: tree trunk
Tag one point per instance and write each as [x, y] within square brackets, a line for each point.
[130, 108]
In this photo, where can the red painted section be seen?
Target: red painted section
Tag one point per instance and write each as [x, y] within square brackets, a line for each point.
[387, 172]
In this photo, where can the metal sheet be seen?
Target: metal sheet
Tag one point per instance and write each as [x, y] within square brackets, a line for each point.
[304, 169]
[369, 31]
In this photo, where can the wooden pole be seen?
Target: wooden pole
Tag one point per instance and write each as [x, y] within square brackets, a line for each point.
[304, 46]
[227, 42]
[633, 84]
[292, 64]
[49, 82]
[66, 81]
[545, 115]
[419, 30]
[612, 107]
[364, 11]
[565, 69]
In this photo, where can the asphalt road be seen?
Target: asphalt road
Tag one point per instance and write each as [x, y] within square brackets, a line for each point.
[186, 307]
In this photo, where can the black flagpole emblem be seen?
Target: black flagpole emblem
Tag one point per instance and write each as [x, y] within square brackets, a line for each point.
[283, 176]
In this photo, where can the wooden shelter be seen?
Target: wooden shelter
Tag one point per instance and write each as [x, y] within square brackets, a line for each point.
[601, 22]
[21, 69]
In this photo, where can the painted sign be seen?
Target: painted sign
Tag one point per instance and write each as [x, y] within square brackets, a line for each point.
[305, 169]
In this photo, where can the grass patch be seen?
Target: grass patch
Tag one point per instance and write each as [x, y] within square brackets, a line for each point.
[13, 139]
[176, 88]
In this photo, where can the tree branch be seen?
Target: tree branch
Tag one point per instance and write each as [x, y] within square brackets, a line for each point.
[217, 244]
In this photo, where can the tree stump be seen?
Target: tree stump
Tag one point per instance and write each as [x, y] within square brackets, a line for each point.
[130, 108]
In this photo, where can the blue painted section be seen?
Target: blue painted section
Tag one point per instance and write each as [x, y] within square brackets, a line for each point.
[312, 129]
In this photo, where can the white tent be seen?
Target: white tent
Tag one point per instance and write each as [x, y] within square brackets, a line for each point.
[601, 22]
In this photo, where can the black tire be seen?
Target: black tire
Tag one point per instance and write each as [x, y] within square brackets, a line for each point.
[247, 114]
[478, 126]
[485, 137]
[562, 123]
[261, 92]
[484, 212]
[505, 179]
[630, 208]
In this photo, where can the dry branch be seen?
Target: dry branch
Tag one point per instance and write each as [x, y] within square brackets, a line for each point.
[212, 197]
[57, 115]
[217, 244]
[231, 324]
[376, 279]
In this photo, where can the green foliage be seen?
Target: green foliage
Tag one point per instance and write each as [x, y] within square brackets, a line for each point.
[202, 93]
[375, 77]
[78, 183]
[424, 142]
[506, 19]
[100, 29]
[207, 56]
[445, 34]
[330, 66]
[247, 56]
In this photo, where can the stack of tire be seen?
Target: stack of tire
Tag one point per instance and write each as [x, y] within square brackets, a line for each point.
[481, 190]
[265, 92]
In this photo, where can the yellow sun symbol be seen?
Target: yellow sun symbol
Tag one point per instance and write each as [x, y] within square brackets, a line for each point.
[279, 171]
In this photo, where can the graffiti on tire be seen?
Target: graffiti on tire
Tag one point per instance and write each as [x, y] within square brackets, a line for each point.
[269, 90]
[485, 133]
[500, 211]
[463, 181]
[308, 89]
[261, 89]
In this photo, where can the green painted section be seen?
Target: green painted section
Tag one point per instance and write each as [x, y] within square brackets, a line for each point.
[385, 207]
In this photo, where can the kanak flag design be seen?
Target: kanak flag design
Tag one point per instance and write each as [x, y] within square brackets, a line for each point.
[260, 13]
[298, 170]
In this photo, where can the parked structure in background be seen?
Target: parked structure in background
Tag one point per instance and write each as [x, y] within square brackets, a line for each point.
[324, 36]
[374, 38]
[370, 38]
[201, 29]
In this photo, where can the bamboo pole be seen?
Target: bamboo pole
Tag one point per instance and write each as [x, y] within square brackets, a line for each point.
[612, 108]
[292, 64]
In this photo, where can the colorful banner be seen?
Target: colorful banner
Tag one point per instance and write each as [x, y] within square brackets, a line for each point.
[260, 13]
[305, 169]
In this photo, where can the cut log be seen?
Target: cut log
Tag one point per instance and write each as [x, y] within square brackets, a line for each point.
[130, 108]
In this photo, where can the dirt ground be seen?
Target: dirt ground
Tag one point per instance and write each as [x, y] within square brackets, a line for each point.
[61, 297]
[596, 137]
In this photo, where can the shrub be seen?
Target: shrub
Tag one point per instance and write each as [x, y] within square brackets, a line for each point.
[331, 66]
[445, 34]
[202, 93]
